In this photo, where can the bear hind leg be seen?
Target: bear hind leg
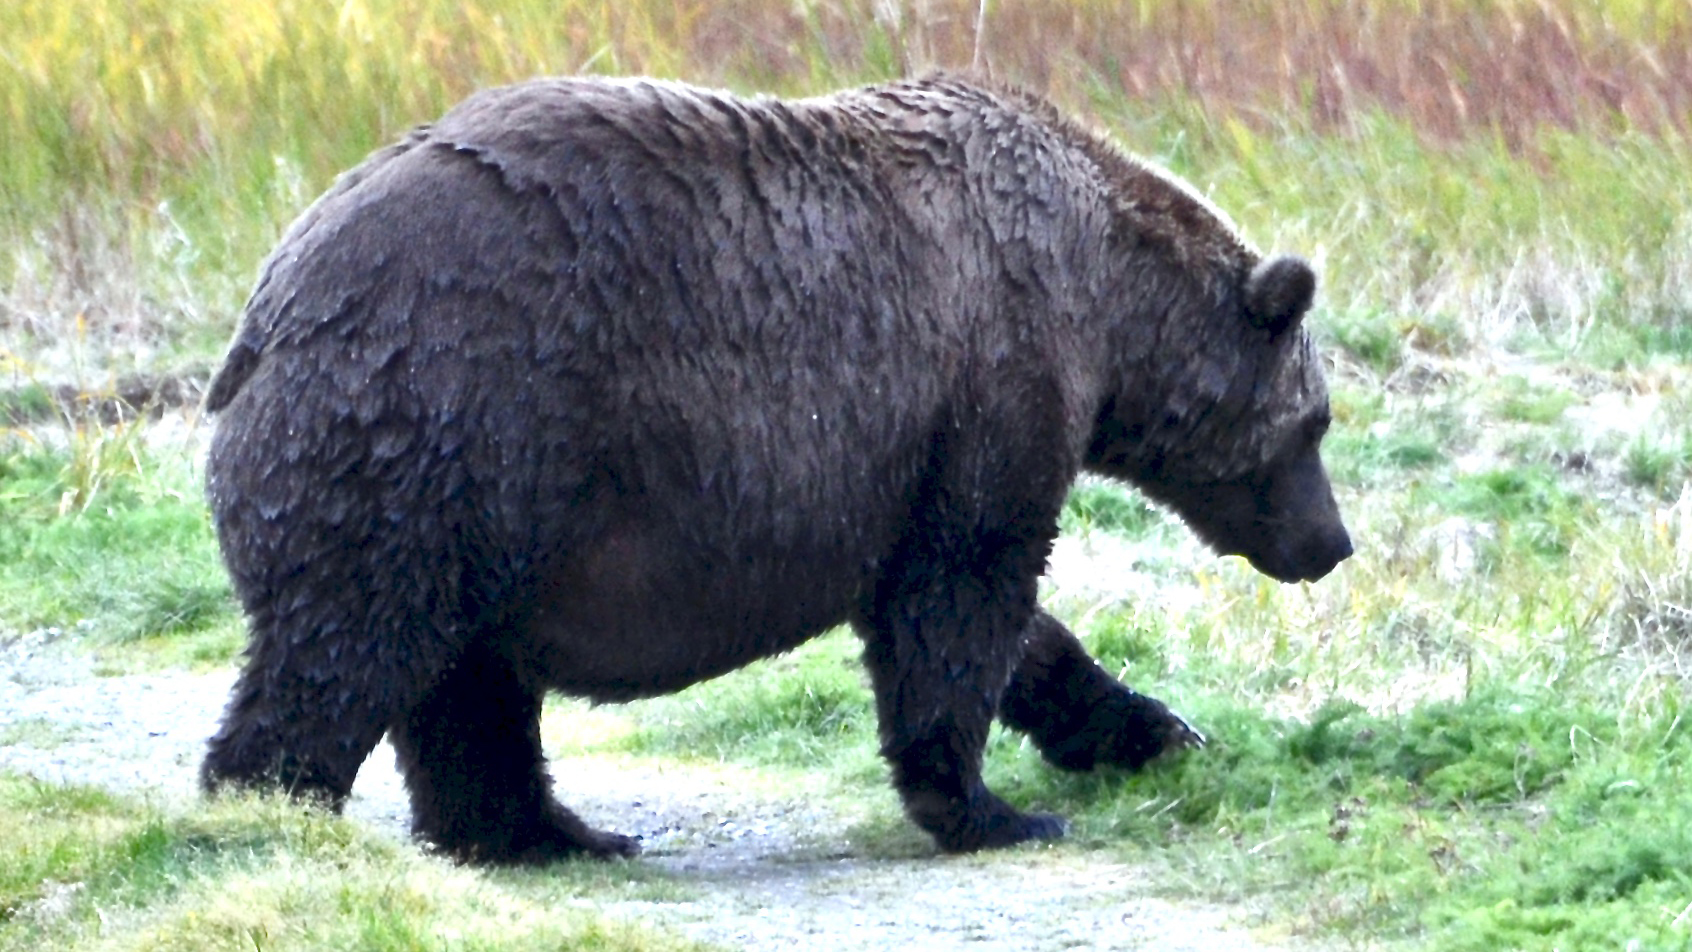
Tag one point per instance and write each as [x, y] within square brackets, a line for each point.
[1077, 714]
[293, 725]
[471, 755]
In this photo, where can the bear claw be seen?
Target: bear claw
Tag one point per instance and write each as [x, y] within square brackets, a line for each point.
[1182, 735]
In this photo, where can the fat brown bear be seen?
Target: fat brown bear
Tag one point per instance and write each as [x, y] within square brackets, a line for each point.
[611, 386]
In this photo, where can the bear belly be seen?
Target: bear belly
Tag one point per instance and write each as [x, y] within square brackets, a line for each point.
[641, 614]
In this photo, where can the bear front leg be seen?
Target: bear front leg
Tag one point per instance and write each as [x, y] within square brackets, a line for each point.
[480, 792]
[1077, 714]
[938, 652]
[938, 775]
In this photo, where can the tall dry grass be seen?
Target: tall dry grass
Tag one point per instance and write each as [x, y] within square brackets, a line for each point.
[100, 93]
[1451, 68]
[152, 148]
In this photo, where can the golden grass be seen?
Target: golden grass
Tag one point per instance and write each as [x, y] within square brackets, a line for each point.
[126, 94]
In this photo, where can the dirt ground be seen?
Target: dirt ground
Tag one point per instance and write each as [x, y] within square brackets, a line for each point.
[765, 869]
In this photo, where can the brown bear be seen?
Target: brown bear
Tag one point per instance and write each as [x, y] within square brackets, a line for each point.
[611, 386]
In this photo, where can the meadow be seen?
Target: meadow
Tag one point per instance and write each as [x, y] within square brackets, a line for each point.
[1470, 737]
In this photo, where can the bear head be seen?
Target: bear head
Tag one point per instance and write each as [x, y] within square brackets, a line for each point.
[1222, 419]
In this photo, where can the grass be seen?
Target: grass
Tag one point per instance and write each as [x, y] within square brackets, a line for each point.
[1102, 507]
[106, 532]
[808, 709]
[1529, 793]
[1469, 737]
[38, 732]
[135, 206]
[86, 869]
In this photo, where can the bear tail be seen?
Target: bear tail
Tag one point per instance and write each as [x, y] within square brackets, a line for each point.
[243, 358]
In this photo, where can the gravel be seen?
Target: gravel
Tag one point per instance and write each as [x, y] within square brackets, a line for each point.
[762, 868]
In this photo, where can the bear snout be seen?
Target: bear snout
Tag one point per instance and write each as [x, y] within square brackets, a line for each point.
[1307, 558]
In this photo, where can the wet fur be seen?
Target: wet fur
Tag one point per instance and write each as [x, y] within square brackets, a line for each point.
[608, 387]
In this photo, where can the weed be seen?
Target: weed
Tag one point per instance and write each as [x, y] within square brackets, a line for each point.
[32, 401]
[99, 456]
[1656, 466]
[1369, 457]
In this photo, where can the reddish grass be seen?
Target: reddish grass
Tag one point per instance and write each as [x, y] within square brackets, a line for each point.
[1451, 67]
[131, 91]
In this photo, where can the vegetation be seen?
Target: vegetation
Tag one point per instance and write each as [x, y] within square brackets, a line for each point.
[105, 532]
[79, 866]
[1469, 737]
[136, 206]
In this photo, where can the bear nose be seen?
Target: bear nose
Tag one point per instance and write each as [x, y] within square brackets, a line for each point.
[1343, 549]
[1328, 550]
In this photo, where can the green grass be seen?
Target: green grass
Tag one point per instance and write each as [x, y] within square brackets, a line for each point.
[38, 732]
[85, 869]
[1468, 737]
[1508, 818]
[807, 709]
[1108, 507]
[1537, 802]
[102, 533]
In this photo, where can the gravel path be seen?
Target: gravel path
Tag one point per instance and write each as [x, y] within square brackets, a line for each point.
[767, 869]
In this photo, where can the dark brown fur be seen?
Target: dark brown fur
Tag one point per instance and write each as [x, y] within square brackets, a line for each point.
[608, 387]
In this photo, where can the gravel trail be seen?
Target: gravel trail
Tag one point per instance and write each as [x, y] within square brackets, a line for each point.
[767, 870]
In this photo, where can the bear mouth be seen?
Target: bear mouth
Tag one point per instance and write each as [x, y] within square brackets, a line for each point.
[1305, 560]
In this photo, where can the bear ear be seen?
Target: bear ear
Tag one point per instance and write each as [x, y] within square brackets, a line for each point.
[1278, 293]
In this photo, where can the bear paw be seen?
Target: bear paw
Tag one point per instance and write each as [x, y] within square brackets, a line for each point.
[585, 842]
[554, 834]
[980, 822]
[1125, 729]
